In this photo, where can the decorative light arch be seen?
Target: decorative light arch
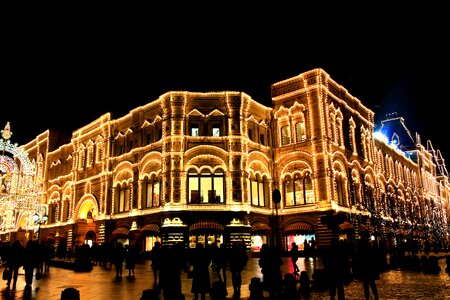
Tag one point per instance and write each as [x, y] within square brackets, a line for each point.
[20, 187]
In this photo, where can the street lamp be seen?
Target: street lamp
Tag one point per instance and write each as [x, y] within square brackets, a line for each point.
[38, 220]
[276, 198]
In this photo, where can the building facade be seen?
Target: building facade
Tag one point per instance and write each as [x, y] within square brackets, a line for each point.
[203, 167]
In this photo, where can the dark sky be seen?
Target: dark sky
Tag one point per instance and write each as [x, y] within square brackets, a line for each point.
[61, 71]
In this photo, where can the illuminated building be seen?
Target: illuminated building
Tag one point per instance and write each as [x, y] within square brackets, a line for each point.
[201, 167]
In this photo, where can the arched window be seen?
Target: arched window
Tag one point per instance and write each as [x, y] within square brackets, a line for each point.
[98, 151]
[206, 187]
[298, 191]
[90, 155]
[308, 189]
[340, 191]
[65, 210]
[122, 197]
[53, 213]
[81, 156]
[151, 189]
[258, 191]
[300, 130]
[285, 135]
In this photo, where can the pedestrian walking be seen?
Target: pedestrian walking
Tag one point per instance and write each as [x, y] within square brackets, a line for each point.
[336, 265]
[219, 256]
[172, 263]
[30, 262]
[130, 259]
[155, 257]
[118, 259]
[13, 257]
[238, 260]
[201, 281]
[271, 262]
[368, 261]
[294, 257]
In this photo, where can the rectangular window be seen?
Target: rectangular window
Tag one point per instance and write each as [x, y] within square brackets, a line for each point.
[155, 194]
[309, 191]
[194, 193]
[127, 200]
[289, 192]
[301, 132]
[206, 186]
[261, 193]
[255, 193]
[298, 186]
[148, 195]
[285, 136]
[195, 131]
[216, 130]
[261, 139]
[121, 200]
[218, 187]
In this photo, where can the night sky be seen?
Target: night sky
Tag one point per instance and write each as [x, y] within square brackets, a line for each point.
[62, 71]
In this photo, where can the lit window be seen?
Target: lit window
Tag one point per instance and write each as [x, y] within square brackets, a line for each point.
[216, 131]
[285, 136]
[195, 131]
[206, 187]
[301, 131]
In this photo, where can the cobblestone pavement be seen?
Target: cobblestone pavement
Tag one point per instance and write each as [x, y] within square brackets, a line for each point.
[100, 283]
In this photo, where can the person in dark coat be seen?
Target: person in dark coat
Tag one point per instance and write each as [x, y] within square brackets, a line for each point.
[294, 257]
[369, 262]
[118, 258]
[238, 260]
[131, 255]
[270, 262]
[30, 262]
[201, 281]
[172, 263]
[336, 263]
[155, 256]
[219, 256]
[13, 260]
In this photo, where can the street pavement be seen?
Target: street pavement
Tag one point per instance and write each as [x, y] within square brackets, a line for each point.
[100, 283]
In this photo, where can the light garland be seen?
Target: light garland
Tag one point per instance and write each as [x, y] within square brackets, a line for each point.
[20, 188]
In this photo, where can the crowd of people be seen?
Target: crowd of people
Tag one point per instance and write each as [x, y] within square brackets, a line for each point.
[342, 263]
[33, 257]
[168, 263]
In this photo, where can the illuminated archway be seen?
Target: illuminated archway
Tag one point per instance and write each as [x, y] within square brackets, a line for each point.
[88, 208]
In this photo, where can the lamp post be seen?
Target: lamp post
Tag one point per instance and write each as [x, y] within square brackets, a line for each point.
[276, 198]
[38, 220]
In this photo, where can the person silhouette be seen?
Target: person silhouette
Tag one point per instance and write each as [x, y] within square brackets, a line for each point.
[294, 257]
[155, 256]
[13, 257]
[368, 260]
[119, 257]
[201, 281]
[238, 260]
[336, 265]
